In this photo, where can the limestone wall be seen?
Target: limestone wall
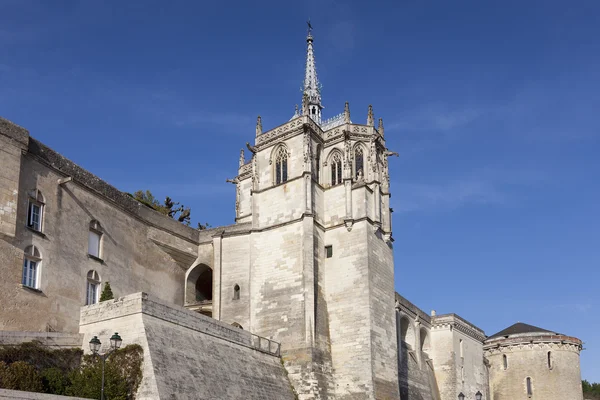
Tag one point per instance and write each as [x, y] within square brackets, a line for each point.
[527, 357]
[140, 249]
[457, 355]
[51, 339]
[187, 354]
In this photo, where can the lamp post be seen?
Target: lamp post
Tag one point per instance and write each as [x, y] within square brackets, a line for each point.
[478, 395]
[461, 396]
[115, 343]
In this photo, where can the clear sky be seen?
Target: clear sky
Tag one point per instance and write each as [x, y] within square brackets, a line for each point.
[490, 105]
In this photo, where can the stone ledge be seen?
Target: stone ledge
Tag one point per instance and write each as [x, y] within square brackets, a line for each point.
[18, 394]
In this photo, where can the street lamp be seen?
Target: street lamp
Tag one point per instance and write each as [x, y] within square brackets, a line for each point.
[461, 396]
[478, 396]
[115, 343]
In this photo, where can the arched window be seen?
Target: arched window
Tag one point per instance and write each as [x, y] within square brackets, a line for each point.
[504, 361]
[462, 354]
[92, 288]
[280, 158]
[35, 210]
[529, 387]
[359, 162]
[549, 360]
[235, 324]
[336, 168]
[94, 239]
[31, 267]
[236, 292]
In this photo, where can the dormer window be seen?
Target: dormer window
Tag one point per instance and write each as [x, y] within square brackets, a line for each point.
[35, 211]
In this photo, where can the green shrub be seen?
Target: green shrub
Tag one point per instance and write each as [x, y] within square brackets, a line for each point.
[107, 293]
[55, 380]
[20, 376]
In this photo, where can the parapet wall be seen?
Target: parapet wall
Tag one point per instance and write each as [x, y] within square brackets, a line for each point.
[188, 355]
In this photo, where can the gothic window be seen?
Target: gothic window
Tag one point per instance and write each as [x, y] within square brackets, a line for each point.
[529, 387]
[92, 288]
[236, 292]
[94, 239]
[31, 268]
[35, 211]
[504, 361]
[281, 165]
[359, 162]
[336, 169]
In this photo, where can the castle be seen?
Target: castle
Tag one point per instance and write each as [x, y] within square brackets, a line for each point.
[312, 234]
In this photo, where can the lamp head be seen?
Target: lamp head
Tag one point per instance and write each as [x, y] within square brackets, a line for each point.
[115, 341]
[95, 345]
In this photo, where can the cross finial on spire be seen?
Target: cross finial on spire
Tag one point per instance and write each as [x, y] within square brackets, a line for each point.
[311, 88]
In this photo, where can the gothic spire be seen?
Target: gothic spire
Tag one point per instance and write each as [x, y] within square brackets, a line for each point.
[311, 87]
[370, 116]
[380, 127]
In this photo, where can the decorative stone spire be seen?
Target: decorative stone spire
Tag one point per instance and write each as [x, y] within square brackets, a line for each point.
[380, 127]
[242, 158]
[311, 87]
[347, 113]
[258, 126]
[370, 117]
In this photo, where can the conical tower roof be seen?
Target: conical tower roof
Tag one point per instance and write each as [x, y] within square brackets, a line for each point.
[518, 329]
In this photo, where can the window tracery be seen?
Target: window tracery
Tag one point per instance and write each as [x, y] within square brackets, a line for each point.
[280, 158]
[336, 168]
[359, 162]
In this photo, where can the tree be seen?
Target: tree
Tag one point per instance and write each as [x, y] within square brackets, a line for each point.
[107, 293]
[591, 390]
[204, 226]
[169, 207]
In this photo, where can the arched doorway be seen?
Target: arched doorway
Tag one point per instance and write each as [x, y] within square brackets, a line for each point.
[199, 289]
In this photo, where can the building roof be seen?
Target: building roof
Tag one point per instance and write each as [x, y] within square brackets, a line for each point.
[519, 328]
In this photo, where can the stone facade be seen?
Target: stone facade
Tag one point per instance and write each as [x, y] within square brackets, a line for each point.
[308, 263]
[535, 365]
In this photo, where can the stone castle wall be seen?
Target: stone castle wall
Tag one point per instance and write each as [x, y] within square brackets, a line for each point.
[188, 355]
[527, 357]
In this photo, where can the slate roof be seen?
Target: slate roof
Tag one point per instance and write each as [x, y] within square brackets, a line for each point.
[519, 328]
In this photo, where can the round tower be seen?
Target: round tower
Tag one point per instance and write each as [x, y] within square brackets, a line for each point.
[527, 362]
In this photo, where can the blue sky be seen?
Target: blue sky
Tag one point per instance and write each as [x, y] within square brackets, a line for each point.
[490, 105]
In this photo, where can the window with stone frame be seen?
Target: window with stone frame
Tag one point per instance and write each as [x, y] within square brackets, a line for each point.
[236, 292]
[95, 240]
[336, 168]
[32, 262]
[280, 159]
[359, 162]
[92, 288]
[35, 211]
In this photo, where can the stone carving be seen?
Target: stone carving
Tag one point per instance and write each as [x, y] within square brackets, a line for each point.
[380, 127]
[258, 126]
[370, 117]
[242, 158]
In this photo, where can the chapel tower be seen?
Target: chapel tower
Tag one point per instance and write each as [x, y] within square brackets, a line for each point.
[315, 195]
